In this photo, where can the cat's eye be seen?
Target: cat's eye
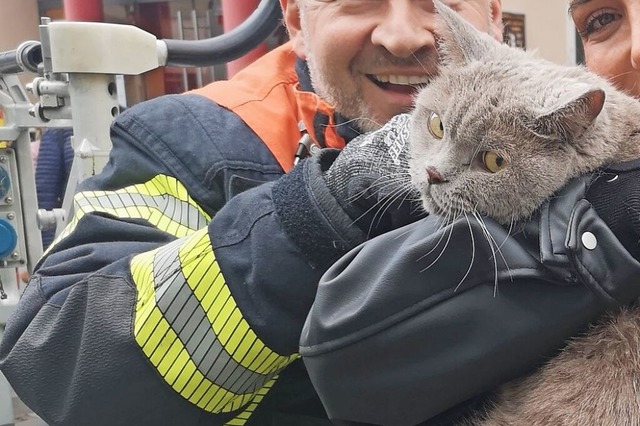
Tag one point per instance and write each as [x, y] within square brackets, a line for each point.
[493, 161]
[435, 125]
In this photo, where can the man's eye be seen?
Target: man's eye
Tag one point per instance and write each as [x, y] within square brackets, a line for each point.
[598, 21]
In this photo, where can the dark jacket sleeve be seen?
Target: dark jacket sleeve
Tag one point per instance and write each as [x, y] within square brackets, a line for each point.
[418, 320]
[173, 296]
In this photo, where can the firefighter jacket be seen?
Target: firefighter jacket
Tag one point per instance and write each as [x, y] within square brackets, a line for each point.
[177, 292]
[409, 337]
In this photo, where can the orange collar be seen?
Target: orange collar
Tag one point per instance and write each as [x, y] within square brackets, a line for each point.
[267, 96]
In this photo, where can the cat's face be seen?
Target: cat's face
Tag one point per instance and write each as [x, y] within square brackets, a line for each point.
[488, 135]
[469, 154]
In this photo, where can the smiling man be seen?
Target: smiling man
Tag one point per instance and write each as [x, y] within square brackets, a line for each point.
[178, 292]
[366, 57]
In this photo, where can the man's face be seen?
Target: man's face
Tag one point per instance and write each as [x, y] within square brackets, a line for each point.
[610, 33]
[367, 57]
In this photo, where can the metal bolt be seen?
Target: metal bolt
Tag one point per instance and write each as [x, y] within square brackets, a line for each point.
[11, 216]
[15, 255]
[8, 200]
[3, 159]
[589, 241]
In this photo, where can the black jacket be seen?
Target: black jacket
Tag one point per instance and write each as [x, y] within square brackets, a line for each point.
[178, 292]
[421, 319]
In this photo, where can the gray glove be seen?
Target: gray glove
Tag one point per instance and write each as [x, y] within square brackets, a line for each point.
[370, 179]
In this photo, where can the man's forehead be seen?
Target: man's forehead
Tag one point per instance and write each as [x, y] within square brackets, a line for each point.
[447, 2]
[454, 4]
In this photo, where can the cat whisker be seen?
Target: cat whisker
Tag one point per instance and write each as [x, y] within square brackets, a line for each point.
[368, 120]
[506, 238]
[353, 120]
[622, 74]
[473, 254]
[475, 153]
[492, 246]
[387, 202]
[402, 234]
[434, 247]
[385, 189]
[427, 72]
[446, 244]
[382, 183]
[511, 225]
[498, 248]
[444, 221]
[399, 191]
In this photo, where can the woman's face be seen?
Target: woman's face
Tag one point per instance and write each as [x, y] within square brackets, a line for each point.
[610, 32]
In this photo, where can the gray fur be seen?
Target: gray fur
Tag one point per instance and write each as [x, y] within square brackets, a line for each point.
[543, 117]
[552, 123]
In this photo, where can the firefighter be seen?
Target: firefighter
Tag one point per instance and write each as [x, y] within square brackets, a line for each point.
[178, 292]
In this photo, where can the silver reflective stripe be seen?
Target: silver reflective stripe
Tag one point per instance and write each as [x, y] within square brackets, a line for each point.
[186, 321]
[187, 318]
[162, 201]
[177, 210]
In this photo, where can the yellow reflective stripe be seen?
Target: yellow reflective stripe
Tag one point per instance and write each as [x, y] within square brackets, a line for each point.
[180, 289]
[163, 201]
[242, 418]
[231, 329]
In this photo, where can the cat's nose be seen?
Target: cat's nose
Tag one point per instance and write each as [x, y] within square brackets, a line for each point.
[434, 176]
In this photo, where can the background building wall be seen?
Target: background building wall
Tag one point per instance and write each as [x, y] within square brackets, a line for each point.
[548, 27]
[19, 21]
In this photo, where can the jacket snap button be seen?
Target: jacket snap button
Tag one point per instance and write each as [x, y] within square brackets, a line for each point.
[589, 241]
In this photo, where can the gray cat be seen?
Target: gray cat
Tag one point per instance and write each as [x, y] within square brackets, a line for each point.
[496, 133]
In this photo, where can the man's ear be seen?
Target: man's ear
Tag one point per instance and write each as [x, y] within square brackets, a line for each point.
[496, 19]
[291, 14]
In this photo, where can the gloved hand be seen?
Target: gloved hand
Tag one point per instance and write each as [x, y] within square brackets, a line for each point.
[370, 179]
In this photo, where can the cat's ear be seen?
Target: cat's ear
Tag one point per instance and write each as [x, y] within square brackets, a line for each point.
[459, 41]
[571, 119]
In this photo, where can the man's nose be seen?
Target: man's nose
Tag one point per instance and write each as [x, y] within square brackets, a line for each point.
[405, 28]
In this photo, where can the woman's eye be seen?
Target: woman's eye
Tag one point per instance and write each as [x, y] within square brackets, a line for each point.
[598, 21]
[435, 125]
[493, 161]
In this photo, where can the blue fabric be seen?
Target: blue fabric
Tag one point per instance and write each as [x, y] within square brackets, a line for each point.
[55, 157]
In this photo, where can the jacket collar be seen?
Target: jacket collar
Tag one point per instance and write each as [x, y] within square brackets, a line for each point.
[343, 125]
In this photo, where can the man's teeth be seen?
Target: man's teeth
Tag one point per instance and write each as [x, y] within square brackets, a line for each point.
[402, 79]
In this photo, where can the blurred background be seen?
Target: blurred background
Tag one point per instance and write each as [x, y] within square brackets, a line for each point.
[543, 25]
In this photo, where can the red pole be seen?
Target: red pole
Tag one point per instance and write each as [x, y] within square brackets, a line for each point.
[234, 13]
[84, 10]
